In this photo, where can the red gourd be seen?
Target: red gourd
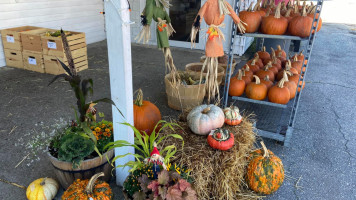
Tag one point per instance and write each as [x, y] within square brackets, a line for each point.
[279, 93]
[237, 85]
[221, 139]
[251, 18]
[262, 73]
[274, 24]
[256, 90]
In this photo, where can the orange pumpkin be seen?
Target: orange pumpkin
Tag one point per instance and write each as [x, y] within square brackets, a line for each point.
[237, 85]
[280, 50]
[146, 114]
[260, 11]
[89, 189]
[300, 25]
[291, 85]
[274, 25]
[311, 15]
[265, 72]
[247, 71]
[251, 18]
[253, 66]
[221, 139]
[297, 64]
[279, 93]
[273, 56]
[273, 68]
[264, 54]
[267, 82]
[245, 78]
[265, 172]
[256, 90]
[300, 56]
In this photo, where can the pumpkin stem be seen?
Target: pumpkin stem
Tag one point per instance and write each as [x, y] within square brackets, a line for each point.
[206, 110]
[266, 78]
[281, 83]
[301, 53]
[258, 81]
[239, 76]
[250, 7]
[279, 47]
[264, 5]
[91, 183]
[247, 68]
[253, 61]
[43, 182]
[288, 12]
[266, 67]
[278, 11]
[288, 65]
[264, 49]
[295, 58]
[243, 73]
[139, 98]
[296, 10]
[256, 6]
[304, 12]
[285, 77]
[265, 150]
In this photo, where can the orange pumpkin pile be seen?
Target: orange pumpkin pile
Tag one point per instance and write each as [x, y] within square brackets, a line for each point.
[278, 84]
[291, 19]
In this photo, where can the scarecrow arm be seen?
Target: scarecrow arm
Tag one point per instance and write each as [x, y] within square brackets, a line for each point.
[201, 12]
[240, 24]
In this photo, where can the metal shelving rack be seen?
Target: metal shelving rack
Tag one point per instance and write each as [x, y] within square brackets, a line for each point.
[286, 120]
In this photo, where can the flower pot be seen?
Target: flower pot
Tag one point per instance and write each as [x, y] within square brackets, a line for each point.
[66, 175]
[183, 96]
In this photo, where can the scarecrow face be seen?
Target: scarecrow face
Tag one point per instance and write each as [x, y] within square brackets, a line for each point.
[154, 156]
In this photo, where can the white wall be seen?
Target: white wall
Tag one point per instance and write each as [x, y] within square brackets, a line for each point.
[73, 15]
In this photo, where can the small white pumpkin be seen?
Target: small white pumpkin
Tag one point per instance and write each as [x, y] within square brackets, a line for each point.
[204, 118]
[42, 189]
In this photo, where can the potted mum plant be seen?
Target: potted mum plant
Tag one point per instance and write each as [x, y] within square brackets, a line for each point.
[78, 151]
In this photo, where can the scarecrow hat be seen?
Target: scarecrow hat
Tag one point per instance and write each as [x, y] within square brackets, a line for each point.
[155, 150]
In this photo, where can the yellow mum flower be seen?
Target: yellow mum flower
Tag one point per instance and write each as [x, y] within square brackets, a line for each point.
[107, 130]
[110, 124]
[103, 126]
[97, 129]
[92, 127]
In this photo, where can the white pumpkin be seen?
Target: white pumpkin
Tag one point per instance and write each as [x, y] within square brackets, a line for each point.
[42, 189]
[204, 118]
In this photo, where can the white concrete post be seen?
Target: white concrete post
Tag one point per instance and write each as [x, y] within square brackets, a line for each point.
[119, 53]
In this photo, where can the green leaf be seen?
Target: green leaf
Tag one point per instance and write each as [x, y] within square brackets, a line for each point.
[65, 67]
[101, 114]
[97, 151]
[137, 156]
[107, 100]
[59, 76]
[89, 132]
[171, 135]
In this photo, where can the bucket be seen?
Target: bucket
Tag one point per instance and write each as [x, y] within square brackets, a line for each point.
[195, 69]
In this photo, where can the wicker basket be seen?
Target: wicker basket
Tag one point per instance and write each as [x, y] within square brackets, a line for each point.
[66, 175]
[183, 97]
[195, 69]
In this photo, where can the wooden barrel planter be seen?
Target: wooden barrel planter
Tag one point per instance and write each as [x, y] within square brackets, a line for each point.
[183, 96]
[196, 68]
[234, 63]
[66, 175]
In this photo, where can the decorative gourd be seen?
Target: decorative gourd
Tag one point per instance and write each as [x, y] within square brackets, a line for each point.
[264, 54]
[92, 189]
[300, 25]
[279, 93]
[274, 25]
[311, 15]
[251, 18]
[232, 116]
[268, 83]
[204, 118]
[280, 50]
[265, 173]
[221, 139]
[237, 85]
[245, 78]
[252, 65]
[146, 114]
[256, 90]
[297, 64]
[42, 188]
[291, 85]
[264, 72]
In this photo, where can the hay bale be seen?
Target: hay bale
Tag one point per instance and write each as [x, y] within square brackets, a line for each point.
[217, 174]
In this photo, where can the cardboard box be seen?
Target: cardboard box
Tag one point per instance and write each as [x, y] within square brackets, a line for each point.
[14, 58]
[53, 46]
[31, 40]
[33, 62]
[52, 66]
[11, 37]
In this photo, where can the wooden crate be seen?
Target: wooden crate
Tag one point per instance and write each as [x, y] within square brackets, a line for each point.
[11, 38]
[31, 40]
[14, 58]
[52, 66]
[53, 46]
[33, 62]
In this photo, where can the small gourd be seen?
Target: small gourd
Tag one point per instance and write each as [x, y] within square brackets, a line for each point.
[232, 116]
[41, 189]
[221, 139]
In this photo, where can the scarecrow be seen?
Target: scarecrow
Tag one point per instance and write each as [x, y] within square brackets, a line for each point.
[156, 10]
[157, 160]
[213, 12]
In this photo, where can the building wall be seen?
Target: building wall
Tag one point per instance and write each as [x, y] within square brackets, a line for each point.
[73, 15]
